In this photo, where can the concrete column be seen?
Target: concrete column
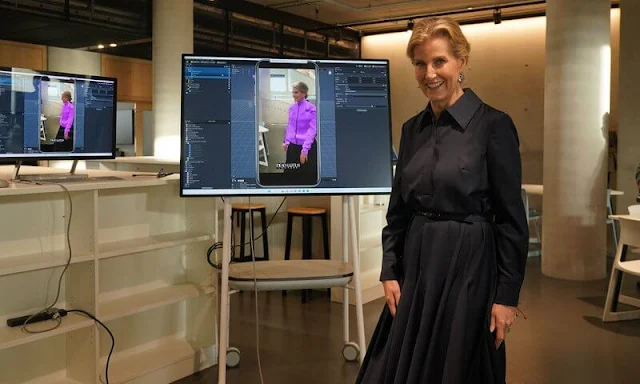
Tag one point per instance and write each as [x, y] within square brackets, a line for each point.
[172, 36]
[629, 101]
[576, 109]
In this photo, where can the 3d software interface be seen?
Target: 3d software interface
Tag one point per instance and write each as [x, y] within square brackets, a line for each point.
[244, 130]
[36, 120]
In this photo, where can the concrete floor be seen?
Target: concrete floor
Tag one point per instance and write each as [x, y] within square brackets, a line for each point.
[563, 340]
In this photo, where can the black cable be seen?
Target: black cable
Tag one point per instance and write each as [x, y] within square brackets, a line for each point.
[255, 291]
[55, 301]
[113, 340]
[218, 245]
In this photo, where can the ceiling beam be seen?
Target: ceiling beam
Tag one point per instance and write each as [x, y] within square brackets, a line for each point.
[270, 14]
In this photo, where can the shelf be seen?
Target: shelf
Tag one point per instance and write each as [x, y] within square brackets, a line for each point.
[12, 337]
[42, 260]
[128, 365]
[141, 302]
[370, 242]
[149, 243]
[54, 378]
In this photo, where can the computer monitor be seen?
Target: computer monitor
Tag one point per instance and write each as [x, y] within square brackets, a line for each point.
[50, 115]
[273, 126]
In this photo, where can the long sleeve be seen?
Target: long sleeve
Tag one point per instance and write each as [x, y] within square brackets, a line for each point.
[310, 134]
[398, 217]
[67, 117]
[512, 232]
[289, 134]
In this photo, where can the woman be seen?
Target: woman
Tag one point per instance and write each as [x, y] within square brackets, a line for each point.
[455, 244]
[64, 138]
[300, 137]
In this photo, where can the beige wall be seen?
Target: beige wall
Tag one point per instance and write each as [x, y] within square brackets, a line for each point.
[506, 69]
[74, 61]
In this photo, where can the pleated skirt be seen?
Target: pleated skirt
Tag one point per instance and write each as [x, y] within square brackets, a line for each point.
[440, 333]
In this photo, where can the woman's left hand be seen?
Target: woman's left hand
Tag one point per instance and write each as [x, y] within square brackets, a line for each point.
[303, 158]
[502, 318]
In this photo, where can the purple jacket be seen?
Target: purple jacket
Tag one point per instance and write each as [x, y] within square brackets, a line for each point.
[301, 126]
[66, 117]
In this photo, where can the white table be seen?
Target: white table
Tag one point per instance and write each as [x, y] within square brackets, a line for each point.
[538, 189]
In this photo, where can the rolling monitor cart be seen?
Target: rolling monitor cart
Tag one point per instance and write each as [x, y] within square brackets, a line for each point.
[37, 125]
[250, 142]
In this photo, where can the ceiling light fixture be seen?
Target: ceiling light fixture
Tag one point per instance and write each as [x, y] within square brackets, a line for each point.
[100, 46]
[497, 16]
[113, 45]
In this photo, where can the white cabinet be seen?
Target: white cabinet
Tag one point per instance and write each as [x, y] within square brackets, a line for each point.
[138, 263]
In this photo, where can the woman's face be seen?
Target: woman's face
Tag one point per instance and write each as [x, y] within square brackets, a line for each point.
[297, 94]
[437, 71]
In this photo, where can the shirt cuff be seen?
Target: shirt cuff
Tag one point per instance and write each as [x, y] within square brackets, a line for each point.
[508, 294]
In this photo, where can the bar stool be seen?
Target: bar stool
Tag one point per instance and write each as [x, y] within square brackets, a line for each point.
[307, 214]
[240, 211]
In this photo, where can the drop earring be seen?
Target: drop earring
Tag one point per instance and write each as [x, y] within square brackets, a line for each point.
[460, 77]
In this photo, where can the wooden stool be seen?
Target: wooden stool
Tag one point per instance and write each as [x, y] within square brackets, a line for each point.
[307, 214]
[239, 211]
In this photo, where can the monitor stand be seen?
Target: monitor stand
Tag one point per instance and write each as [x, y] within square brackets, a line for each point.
[72, 175]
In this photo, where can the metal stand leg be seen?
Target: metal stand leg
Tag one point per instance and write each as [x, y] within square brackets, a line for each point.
[356, 277]
[224, 294]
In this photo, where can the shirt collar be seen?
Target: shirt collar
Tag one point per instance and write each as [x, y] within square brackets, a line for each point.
[464, 108]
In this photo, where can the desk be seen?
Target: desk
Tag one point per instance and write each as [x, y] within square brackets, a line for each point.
[629, 237]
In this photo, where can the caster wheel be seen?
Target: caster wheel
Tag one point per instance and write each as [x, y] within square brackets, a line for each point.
[233, 357]
[351, 351]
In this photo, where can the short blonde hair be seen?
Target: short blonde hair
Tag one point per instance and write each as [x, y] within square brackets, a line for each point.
[300, 86]
[439, 27]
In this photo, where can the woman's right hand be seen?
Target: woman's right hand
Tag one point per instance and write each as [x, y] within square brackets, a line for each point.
[392, 294]
[284, 147]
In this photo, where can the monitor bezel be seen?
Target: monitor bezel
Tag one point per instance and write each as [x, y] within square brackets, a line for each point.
[243, 192]
[69, 156]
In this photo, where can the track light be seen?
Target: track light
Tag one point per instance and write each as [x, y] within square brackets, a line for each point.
[410, 25]
[497, 16]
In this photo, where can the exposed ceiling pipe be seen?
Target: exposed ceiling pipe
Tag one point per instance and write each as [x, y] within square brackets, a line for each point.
[291, 4]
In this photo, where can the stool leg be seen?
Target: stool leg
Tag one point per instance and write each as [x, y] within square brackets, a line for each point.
[287, 246]
[325, 237]
[306, 249]
[265, 239]
[243, 224]
[253, 236]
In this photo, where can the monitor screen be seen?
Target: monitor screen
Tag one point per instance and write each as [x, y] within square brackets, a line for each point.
[266, 126]
[50, 115]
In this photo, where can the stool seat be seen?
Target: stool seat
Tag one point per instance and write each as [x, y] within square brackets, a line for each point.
[307, 211]
[247, 207]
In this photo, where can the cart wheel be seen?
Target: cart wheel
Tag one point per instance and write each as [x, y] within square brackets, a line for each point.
[233, 357]
[351, 351]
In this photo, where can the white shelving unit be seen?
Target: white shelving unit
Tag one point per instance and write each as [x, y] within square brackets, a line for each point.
[138, 263]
